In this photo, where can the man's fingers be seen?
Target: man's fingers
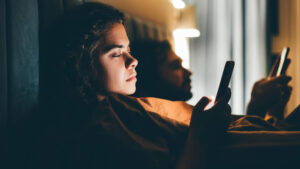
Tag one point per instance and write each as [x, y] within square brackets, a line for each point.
[276, 64]
[283, 79]
[287, 92]
[274, 67]
[289, 89]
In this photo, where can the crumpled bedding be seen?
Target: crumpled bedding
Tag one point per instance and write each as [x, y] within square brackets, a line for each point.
[252, 142]
[181, 112]
[174, 110]
[252, 123]
[135, 132]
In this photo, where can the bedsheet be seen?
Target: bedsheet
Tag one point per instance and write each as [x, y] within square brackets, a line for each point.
[260, 150]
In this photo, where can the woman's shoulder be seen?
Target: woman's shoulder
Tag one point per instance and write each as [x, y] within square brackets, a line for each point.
[149, 111]
[176, 110]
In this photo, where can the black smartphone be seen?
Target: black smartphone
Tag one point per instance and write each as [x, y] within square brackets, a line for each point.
[226, 76]
[283, 57]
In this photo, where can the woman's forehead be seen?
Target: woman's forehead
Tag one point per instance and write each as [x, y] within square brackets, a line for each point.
[117, 36]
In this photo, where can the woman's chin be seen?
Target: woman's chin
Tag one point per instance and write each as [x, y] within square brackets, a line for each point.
[132, 91]
[129, 91]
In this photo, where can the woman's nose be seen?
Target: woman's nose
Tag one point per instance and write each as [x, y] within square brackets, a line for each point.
[131, 62]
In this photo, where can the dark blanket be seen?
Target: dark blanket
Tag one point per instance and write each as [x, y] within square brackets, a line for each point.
[120, 133]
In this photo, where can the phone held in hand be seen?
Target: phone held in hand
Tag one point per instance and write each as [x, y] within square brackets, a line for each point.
[283, 57]
[226, 76]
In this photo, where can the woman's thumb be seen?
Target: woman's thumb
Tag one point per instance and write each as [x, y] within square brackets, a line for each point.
[199, 107]
[202, 103]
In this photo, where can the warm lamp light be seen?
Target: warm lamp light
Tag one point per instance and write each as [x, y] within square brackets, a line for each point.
[186, 25]
[178, 4]
[191, 33]
[185, 29]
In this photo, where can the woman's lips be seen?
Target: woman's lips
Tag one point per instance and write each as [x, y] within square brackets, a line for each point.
[131, 78]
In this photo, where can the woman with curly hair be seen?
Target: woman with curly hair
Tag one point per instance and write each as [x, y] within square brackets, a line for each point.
[98, 125]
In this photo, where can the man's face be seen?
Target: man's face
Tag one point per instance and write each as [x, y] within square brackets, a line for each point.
[175, 77]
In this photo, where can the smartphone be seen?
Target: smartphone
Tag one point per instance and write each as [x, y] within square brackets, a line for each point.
[226, 76]
[283, 57]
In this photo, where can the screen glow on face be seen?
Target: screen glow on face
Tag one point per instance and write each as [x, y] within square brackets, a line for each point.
[118, 73]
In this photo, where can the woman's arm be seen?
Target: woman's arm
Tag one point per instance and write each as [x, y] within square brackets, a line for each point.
[206, 133]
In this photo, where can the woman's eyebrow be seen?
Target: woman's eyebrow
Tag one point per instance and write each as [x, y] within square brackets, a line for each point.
[110, 47]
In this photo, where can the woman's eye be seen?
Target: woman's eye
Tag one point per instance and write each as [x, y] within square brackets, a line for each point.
[116, 55]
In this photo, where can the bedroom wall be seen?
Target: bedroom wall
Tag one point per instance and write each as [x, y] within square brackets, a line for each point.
[289, 35]
[158, 11]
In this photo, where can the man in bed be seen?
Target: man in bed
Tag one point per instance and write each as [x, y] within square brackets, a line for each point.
[160, 71]
[161, 74]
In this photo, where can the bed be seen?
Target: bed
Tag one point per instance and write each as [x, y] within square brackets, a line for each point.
[244, 149]
[260, 150]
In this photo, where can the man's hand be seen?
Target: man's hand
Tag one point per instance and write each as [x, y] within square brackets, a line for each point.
[269, 95]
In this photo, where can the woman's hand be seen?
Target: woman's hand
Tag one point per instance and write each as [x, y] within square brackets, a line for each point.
[207, 128]
[210, 125]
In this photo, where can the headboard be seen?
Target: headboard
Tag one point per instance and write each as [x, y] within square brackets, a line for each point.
[141, 29]
[23, 58]
[22, 24]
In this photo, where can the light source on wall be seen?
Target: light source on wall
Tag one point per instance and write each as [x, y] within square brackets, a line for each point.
[186, 24]
[190, 33]
[185, 28]
[178, 4]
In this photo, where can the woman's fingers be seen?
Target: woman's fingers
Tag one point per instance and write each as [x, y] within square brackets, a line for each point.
[221, 110]
[202, 103]
[228, 110]
[225, 115]
[225, 98]
[200, 106]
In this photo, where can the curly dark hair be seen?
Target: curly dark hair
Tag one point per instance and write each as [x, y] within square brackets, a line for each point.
[81, 33]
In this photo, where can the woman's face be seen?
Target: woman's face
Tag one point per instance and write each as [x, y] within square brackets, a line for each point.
[117, 66]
